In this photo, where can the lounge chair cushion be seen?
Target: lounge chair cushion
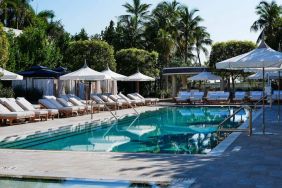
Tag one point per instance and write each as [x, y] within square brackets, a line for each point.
[13, 106]
[24, 104]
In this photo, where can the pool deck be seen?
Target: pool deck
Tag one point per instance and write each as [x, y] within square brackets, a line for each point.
[254, 161]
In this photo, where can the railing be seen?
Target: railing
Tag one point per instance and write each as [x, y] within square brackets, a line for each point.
[226, 130]
[105, 105]
[250, 127]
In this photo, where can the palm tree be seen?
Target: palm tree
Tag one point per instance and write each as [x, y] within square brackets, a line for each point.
[188, 24]
[134, 20]
[47, 15]
[202, 39]
[268, 14]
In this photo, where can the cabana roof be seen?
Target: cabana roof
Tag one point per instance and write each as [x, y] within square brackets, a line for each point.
[184, 70]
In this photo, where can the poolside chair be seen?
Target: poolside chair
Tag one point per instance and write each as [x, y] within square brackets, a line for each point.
[137, 102]
[255, 96]
[214, 97]
[26, 105]
[108, 100]
[275, 96]
[197, 97]
[6, 114]
[183, 97]
[53, 104]
[14, 107]
[95, 106]
[151, 100]
[77, 98]
[98, 100]
[119, 99]
[239, 97]
[81, 109]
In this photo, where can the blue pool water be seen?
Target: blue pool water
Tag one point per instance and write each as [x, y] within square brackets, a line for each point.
[167, 130]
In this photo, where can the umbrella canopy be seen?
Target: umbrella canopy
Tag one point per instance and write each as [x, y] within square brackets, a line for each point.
[7, 75]
[204, 76]
[139, 77]
[85, 73]
[261, 57]
[114, 75]
[259, 75]
[40, 71]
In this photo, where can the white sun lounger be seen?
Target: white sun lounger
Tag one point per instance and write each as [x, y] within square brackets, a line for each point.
[98, 100]
[6, 114]
[197, 97]
[136, 102]
[218, 97]
[12, 105]
[239, 96]
[150, 100]
[275, 95]
[53, 104]
[81, 109]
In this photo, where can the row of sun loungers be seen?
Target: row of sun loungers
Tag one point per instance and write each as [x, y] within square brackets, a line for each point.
[20, 109]
[218, 97]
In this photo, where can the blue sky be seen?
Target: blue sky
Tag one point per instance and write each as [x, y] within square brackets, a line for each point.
[224, 19]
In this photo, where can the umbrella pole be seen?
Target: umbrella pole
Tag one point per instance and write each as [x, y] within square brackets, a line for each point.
[137, 87]
[263, 115]
[278, 95]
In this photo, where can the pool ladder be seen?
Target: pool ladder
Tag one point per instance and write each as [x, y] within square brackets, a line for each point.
[108, 109]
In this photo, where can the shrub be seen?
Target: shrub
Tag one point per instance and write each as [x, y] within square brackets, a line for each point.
[32, 95]
[6, 92]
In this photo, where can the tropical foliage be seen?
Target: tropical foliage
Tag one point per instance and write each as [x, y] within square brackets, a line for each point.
[98, 55]
[4, 47]
[269, 23]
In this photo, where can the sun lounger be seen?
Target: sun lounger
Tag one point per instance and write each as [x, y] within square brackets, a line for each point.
[256, 96]
[6, 114]
[14, 107]
[214, 97]
[197, 97]
[81, 109]
[275, 95]
[239, 96]
[26, 105]
[53, 104]
[98, 100]
[150, 100]
[77, 98]
[136, 102]
[183, 97]
[108, 100]
[119, 99]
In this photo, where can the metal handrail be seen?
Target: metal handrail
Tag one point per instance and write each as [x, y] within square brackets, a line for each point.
[220, 126]
[259, 101]
[92, 112]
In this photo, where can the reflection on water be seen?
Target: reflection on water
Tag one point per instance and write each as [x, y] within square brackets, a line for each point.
[168, 130]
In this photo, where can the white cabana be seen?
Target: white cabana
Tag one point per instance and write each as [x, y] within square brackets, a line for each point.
[7, 75]
[204, 76]
[85, 73]
[110, 86]
[139, 77]
[261, 57]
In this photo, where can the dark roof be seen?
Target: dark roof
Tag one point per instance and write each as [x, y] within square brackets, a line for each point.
[40, 71]
[61, 69]
[183, 70]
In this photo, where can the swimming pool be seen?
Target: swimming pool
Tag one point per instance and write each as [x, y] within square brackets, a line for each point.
[167, 130]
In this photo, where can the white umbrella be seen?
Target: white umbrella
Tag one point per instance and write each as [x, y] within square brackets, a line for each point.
[114, 75]
[259, 75]
[7, 75]
[261, 57]
[139, 77]
[85, 73]
[204, 76]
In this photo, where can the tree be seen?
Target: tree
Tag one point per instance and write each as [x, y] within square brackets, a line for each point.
[129, 61]
[4, 47]
[109, 35]
[202, 39]
[269, 21]
[132, 23]
[82, 35]
[97, 53]
[36, 49]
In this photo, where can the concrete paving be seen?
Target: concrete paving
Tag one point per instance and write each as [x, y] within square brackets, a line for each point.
[248, 162]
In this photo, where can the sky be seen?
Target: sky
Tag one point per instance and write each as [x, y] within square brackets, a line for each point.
[224, 19]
